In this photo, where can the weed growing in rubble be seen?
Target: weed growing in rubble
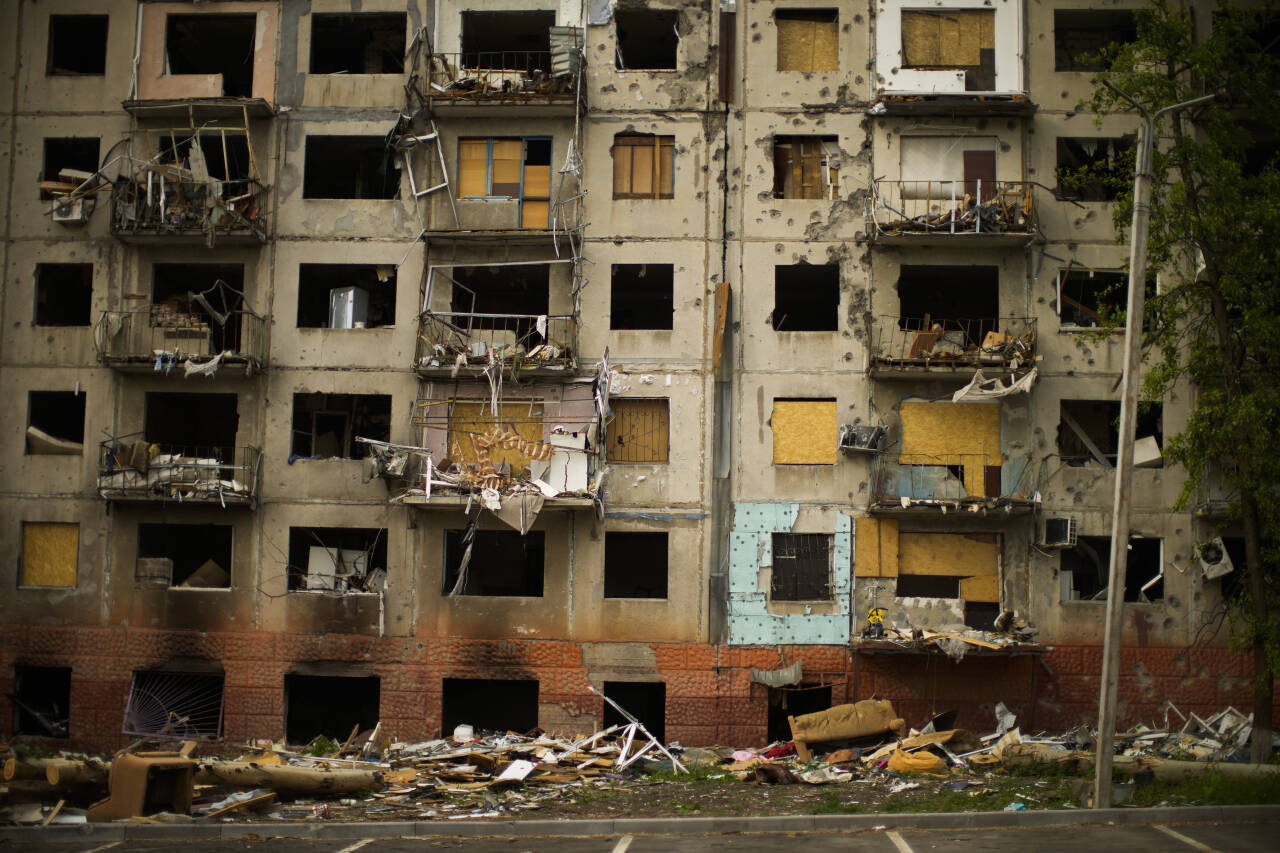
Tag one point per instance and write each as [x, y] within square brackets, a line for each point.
[831, 803]
[699, 774]
[1210, 789]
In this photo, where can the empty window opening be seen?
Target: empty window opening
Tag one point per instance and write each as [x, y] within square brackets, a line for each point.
[960, 301]
[1089, 297]
[192, 556]
[175, 704]
[801, 567]
[50, 553]
[806, 298]
[643, 166]
[981, 614]
[635, 564]
[808, 40]
[55, 423]
[77, 45]
[794, 702]
[640, 430]
[337, 559]
[346, 296]
[325, 426]
[928, 586]
[1232, 582]
[223, 155]
[331, 706]
[489, 704]
[68, 161]
[350, 167]
[952, 40]
[367, 43]
[213, 44]
[41, 700]
[644, 700]
[199, 301]
[510, 40]
[1085, 570]
[493, 562]
[641, 296]
[1081, 35]
[197, 423]
[806, 167]
[512, 168]
[1094, 168]
[647, 40]
[1089, 429]
[509, 298]
[804, 431]
[64, 294]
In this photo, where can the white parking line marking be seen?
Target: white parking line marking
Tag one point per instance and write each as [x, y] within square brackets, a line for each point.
[623, 843]
[104, 847]
[903, 847]
[354, 847]
[1190, 842]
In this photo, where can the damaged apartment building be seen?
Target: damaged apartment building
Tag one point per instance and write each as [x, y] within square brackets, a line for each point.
[430, 363]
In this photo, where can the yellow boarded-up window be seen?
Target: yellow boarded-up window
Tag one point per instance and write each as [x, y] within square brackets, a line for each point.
[473, 168]
[469, 421]
[640, 430]
[804, 432]
[950, 38]
[968, 563]
[808, 39]
[644, 166]
[49, 552]
[955, 434]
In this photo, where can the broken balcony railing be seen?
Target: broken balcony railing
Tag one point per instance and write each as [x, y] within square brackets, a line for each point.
[130, 468]
[448, 341]
[908, 343]
[523, 77]
[912, 209]
[899, 482]
[165, 200]
[158, 339]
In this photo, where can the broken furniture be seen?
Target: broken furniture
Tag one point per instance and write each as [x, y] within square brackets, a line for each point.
[144, 783]
[844, 722]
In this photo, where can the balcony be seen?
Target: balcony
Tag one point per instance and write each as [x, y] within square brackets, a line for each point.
[535, 82]
[160, 339]
[165, 204]
[133, 469]
[959, 482]
[915, 348]
[464, 344]
[952, 213]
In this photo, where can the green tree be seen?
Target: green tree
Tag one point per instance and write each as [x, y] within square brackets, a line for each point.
[1215, 240]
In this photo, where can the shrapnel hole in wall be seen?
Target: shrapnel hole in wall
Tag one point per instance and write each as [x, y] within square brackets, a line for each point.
[42, 700]
[489, 704]
[336, 559]
[346, 296]
[184, 555]
[337, 167]
[213, 44]
[647, 40]
[77, 45]
[644, 700]
[493, 563]
[641, 296]
[325, 426]
[365, 43]
[806, 298]
[64, 294]
[329, 705]
[517, 40]
[635, 564]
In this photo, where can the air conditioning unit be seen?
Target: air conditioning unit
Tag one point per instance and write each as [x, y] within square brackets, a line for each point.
[1214, 559]
[1060, 533]
[860, 438]
[70, 212]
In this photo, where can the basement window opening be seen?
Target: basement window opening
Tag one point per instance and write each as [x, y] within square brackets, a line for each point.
[647, 40]
[64, 294]
[190, 556]
[365, 43]
[806, 167]
[336, 167]
[952, 40]
[498, 563]
[1081, 37]
[325, 426]
[804, 431]
[641, 296]
[640, 430]
[193, 423]
[190, 301]
[643, 166]
[808, 40]
[507, 40]
[337, 559]
[489, 704]
[485, 294]
[1094, 168]
[213, 44]
[635, 564]
[959, 301]
[1085, 569]
[50, 554]
[1088, 429]
[55, 423]
[175, 704]
[331, 706]
[77, 46]
[78, 156]
[41, 700]
[806, 298]
[644, 700]
[794, 702]
[801, 567]
[346, 296]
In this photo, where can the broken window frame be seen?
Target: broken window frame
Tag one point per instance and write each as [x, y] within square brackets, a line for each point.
[814, 174]
[662, 166]
[52, 70]
[1097, 177]
[1134, 579]
[809, 573]
[639, 431]
[1074, 313]
[367, 565]
[32, 720]
[61, 295]
[631, 696]
[792, 60]
[640, 545]
[529, 191]
[179, 565]
[456, 574]
[360, 412]
[51, 185]
[364, 28]
[1086, 25]
[622, 18]
[363, 171]
[1150, 422]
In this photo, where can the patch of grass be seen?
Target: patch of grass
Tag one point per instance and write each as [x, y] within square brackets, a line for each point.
[23, 751]
[685, 808]
[1211, 789]
[588, 796]
[830, 803]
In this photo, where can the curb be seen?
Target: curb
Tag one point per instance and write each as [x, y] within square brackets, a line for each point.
[106, 832]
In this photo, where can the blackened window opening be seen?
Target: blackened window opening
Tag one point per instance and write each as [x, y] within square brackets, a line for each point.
[196, 424]
[325, 426]
[64, 294]
[335, 558]
[801, 567]
[806, 298]
[77, 45]
[1089, 566]
[350, 167]
[519, 41]
[1099, 420]
[523, 291]
[77, 153]
[213, 44]
[1090, 297]
[1094, 168]
[794, 702]
[635, 564]
[329, 706]
[57, 413]
[644, 700]
[371, 289]
[959, 300]
[981, 614]
[204, 293]
[190, 547]
[489, 704]
[1081, 35]
[641, 296]
[366, 43]
[493, 563]
[928, 586]
[42, 700]
[647, 39]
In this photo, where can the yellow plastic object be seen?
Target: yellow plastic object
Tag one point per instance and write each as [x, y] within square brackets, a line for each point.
[916, 762]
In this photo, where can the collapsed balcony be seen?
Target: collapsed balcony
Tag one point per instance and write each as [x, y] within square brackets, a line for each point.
[938, 212]
[913, 347]
[973, 482]
[130, 468]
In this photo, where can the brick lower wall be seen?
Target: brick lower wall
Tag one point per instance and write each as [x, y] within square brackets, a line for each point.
[710, 698]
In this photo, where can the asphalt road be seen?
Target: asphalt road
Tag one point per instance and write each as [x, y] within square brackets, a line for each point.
[1258, 837]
